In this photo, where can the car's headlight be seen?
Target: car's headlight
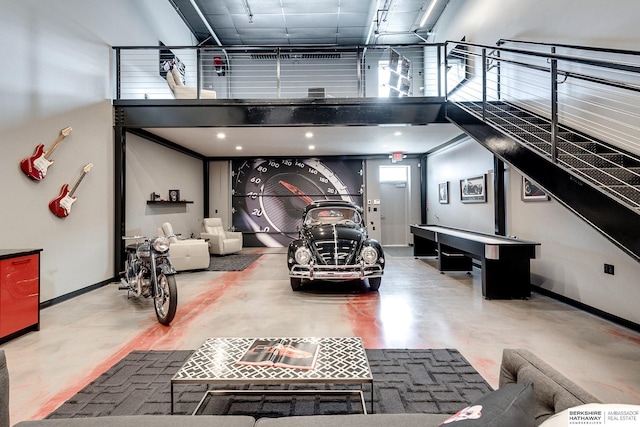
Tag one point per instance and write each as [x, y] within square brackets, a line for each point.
[303, 256]
[161, 244]
[369, 255]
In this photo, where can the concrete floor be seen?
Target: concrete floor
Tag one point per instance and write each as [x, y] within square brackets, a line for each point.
[416, 307]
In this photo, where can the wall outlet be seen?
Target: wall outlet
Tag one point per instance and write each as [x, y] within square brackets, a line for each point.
[608, 269]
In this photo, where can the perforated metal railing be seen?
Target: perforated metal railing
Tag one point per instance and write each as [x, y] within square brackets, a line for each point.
[580, 107]
[274, 73]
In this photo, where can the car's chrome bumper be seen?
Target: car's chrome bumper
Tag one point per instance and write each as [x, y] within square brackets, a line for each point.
[335, 272]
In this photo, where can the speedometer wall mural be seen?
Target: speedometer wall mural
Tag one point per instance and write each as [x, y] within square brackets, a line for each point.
[268, 195]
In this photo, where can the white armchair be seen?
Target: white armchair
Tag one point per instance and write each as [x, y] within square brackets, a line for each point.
[221, 242]
[180, 91]
[188, 254]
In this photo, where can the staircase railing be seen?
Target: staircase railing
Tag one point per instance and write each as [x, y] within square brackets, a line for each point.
[579, 107]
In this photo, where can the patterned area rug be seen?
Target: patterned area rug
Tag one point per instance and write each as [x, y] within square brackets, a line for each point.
[233, 262]
[405, 381]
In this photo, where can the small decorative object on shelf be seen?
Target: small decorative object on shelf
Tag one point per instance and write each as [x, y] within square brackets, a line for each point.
[154, 197]
[174, 195]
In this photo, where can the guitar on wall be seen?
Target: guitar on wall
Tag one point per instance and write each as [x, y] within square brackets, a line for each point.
[35, 167]
[61, 205]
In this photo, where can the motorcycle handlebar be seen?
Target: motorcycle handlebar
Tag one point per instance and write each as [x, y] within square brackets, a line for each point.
[143, 237]
[134, 237]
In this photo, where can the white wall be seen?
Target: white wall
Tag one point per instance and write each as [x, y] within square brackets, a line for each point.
[220, 191]
[573, 254]
[58, 63]
[580, 22]
[462, 160]
[151, 167]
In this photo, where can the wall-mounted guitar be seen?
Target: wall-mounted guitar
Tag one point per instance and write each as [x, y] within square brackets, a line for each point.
[61, 205]
[35, 167]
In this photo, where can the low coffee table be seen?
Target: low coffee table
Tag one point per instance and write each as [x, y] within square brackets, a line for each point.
[340, 361]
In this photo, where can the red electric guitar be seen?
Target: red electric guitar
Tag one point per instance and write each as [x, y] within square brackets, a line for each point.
[36, 166]
[61, 205]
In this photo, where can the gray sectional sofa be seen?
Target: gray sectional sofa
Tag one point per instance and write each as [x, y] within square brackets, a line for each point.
[551, 393]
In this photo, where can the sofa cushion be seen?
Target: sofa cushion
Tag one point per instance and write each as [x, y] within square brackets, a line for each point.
[372, 420]
[509, 406]
[612, 414]
[147, 421]
[553, 391]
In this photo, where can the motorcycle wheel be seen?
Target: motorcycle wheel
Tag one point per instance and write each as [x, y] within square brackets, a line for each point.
[166, 301]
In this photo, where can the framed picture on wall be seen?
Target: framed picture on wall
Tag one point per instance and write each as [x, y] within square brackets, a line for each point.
[473, 189]
[443, 192]
[531, 192]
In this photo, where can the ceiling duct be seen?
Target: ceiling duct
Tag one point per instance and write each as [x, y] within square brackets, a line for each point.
[273, 56]
[268, 56]
[322, 56]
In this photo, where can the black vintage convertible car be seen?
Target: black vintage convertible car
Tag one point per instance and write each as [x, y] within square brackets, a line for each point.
[333, 245]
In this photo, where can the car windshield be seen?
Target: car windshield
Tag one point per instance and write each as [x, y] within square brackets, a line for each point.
[338, 215]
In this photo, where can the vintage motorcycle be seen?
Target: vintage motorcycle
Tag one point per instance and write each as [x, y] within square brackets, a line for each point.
[148, 272]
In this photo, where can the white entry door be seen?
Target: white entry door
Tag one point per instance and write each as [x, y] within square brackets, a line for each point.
[394, 208]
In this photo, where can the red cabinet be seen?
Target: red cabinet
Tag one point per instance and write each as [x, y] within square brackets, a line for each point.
[19, 292]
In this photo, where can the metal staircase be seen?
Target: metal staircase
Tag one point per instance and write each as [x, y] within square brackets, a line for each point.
[552, 141]
[604, 166]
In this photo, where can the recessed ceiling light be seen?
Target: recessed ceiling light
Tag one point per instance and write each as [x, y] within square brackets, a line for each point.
[221, 135]
[309, 134]
[238, 147]
[397, 133]
[312, 147]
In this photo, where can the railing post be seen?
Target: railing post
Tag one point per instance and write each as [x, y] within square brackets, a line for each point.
[440, 74]
[359, 71]
[198, 72]
[498, 81]
[554, 108]
[443, 70]
[118, 76]
[278, 73]
[484, 84]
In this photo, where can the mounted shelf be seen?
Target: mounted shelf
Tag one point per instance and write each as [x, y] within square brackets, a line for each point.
[167, 202]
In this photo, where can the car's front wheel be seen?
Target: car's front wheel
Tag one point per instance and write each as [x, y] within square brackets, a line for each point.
[374, 283]
[296, 283]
